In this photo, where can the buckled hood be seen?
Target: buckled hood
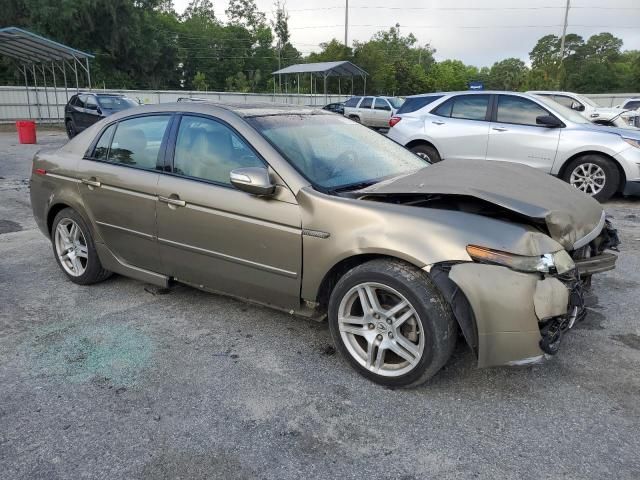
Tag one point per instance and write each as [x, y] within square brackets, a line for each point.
[571, 217]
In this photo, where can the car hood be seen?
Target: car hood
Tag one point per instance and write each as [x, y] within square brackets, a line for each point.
[570, 216]
[607, 113]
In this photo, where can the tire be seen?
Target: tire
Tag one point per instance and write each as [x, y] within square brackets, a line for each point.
[600, 167]
[89, 270]
[423, 150]
[70, 127]
[355, 118]
[428, 327]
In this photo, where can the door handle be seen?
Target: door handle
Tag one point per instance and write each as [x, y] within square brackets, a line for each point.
[176, 202]
[438, 122]
[500, 129]
[91, 182]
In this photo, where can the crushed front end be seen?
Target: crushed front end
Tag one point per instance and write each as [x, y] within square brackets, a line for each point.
[510, 316]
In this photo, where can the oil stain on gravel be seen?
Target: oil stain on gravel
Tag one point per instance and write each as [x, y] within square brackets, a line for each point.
[7, 226]
[83, 352]
[630, 340]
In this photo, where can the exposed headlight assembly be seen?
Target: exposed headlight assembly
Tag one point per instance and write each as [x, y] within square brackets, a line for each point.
[632, 141]
[559, 262]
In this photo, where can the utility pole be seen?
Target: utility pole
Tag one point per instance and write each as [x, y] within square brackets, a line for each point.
[346, 23]
[564, 29]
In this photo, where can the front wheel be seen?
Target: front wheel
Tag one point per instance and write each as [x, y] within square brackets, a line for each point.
[391, 323]
[594, 175]
[427, 152]
[71, 129]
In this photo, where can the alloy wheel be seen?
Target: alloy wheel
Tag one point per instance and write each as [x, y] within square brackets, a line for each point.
[588, 178]
[381, 329]
[71, 247]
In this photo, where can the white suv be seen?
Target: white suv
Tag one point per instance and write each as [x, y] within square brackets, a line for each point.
[372, 111]
[521, 128]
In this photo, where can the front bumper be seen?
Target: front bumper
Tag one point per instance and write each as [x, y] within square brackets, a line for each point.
[509, 309]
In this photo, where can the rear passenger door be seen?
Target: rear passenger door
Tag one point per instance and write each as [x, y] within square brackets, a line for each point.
[381, 113]
[364, 111]
[214, 236]
[118, 186]
[516, 137]
[459, 127]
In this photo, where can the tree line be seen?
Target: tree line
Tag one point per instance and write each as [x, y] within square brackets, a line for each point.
[147, 44]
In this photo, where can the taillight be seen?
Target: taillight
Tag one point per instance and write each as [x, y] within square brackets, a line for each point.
[40, 171]
[393, 121]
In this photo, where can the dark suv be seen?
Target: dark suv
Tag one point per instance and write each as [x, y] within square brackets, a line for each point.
[85, 109]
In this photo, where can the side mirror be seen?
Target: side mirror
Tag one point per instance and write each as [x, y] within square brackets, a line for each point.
[99, 110]
[253, 180]
[577, 107]
[549, 121]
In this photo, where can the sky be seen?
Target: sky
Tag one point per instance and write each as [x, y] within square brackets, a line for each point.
[476, 32]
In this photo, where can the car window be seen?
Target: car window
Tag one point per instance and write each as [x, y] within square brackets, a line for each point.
[91, 102]
[80, 101]
[634, 104]
[467, 107]
[381, 104]
[416, 103]
[101, 150]
[518, 110]
[352, 102]
[395, 102]
[116, 103]
[366, 103]
[73, 100]
[137, 141]
[470, 107]
[564, 100]
[209, 150]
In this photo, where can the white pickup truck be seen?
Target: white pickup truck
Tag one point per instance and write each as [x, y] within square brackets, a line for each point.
[372, 111]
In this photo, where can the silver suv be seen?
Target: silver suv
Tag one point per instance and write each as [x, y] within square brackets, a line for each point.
[521, 128]
[372, 111]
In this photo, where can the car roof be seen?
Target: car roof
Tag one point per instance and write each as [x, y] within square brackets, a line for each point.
[471, 92]
[253, 109]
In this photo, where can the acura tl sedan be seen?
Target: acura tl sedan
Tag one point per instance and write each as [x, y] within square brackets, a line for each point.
[515, 127]
[313, 214]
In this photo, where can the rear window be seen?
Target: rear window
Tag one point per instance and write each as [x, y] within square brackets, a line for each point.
[633, 105]
[367, 102]
[416, 103]
[116, 103]
[352, 102]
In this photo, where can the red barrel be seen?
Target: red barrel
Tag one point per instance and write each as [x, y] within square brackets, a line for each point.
[26, 131]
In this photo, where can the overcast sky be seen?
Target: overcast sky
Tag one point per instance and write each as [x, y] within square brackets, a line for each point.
[478, 32]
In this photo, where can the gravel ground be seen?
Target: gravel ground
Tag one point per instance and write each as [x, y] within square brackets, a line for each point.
[118, 381]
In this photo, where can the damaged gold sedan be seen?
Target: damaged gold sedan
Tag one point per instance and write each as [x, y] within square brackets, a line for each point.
[313, 214]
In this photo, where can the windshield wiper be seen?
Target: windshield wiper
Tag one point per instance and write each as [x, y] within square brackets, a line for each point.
[354, 186]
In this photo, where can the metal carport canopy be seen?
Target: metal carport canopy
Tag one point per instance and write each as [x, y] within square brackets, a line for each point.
[343, 68]
[28, 47]
[37, 55]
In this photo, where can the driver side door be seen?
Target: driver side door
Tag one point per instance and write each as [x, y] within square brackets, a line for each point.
[214, 236]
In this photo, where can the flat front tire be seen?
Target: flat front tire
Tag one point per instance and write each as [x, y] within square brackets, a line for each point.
[391, 323]
[75, 250]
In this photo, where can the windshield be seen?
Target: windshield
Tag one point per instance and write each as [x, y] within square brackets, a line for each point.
[333, 152]
[116, 103]
[565, 112]
[395, 102]
[588, 101]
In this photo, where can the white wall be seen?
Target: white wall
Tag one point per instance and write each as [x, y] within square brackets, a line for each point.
[15, 101]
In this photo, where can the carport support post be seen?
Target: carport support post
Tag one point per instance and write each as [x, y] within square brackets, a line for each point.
[64, 76]
[364, 90]
[325, 89]
[55, 91]
[35, 86]
[26, 86]
[88, 72]
[46, 92]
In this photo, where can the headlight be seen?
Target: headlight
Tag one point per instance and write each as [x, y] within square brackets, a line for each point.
[559, 262]
[632, 141]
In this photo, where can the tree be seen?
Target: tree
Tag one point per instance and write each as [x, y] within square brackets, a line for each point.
[245, 13]
[508, 74]
[200, 82]
[202, 9]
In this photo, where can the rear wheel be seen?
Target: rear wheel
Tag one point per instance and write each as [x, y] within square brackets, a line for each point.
[391, 323]
[594, 175]
[75, 250]
[71, 129]
[355, 118]
[427, 152]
